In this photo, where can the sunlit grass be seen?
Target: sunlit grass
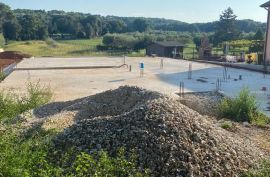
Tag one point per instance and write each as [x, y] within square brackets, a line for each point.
[64, 48]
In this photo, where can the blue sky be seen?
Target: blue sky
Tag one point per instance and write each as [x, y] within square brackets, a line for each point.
[183, 10]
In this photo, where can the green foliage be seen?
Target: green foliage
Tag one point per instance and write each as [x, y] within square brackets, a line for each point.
[197, 41]
[25, 156]
[32, 27]
[29, 151]
[38, 24]
[226, 28]
[120, 41]
[260, 170]
[12, 104]
[259, 35]
[5, 14]
[256, 47]
[2, 76]
[141, 25]
[52, 43]
[11, 30]
[2, 40]
[226, 125]
[243, 108]
[103, 165]
[32, 155]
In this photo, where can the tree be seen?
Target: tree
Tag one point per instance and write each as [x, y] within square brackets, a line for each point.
[30, 27]
[116, 26]
[257, 47]
[5, 14]
[92, 26]
[141, 25]
[226, 27]
[259, 35]
[197, 41]
[11, 30]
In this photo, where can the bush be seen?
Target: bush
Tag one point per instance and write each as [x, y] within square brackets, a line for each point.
[30, 152]
[103, 165]
[52, 43]
[2, 76]
[243, 108]
[33, 155]
[261, 170]
[226, 125]
[12, 104]
[120, 41]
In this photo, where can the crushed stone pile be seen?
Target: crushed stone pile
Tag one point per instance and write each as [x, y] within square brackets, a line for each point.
[169, 138]
[206, 103]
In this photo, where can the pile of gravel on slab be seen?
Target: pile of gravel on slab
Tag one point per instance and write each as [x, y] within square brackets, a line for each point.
[169, 138]
[206, 103]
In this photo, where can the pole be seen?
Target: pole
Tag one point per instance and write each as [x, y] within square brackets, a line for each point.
[267, 36]
[161, 63]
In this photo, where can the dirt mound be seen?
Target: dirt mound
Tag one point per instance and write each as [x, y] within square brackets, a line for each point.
[15, 55]
[169, 138]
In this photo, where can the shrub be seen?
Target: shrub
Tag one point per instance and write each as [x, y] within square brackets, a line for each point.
[104, 165]
[52, 43]
[243, 108]
[226, 125]
[12, 104]
[33, 155]
[2, 76]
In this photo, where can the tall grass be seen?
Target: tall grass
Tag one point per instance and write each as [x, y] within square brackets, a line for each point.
[243, 108]
[2, 40]
[29, 151]
[261, 169]
[12, 104]
[2, 76]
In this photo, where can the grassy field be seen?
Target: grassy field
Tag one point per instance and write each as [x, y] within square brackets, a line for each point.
[64, 48]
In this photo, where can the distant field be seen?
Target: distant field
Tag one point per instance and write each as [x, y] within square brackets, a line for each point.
[64, 48]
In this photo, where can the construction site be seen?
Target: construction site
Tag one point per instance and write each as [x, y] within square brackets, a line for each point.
[72, 78]
[163, 109]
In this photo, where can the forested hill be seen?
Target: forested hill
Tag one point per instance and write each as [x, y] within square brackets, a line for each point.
[22, 24]
[174, 25]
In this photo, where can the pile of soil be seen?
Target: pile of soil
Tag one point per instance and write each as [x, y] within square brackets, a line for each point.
[14, 55]
[169, 138]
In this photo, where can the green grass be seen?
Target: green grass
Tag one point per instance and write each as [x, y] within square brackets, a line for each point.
[2, 76]
[29, 152]
[190, 51]
[64, 48]
[226, 125]
[260, 170]
[2, 40]
[32, 154]
[12, 104]
[243, 108]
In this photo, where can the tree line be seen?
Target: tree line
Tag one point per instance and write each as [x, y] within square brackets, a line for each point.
[23, 24]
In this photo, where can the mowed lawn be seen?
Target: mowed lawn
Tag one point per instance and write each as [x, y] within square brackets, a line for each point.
[65, 48]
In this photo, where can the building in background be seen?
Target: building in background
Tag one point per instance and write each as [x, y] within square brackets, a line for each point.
[169, 49]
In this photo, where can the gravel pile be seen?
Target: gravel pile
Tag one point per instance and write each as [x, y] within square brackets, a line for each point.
[169, 138]
[206, 103]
